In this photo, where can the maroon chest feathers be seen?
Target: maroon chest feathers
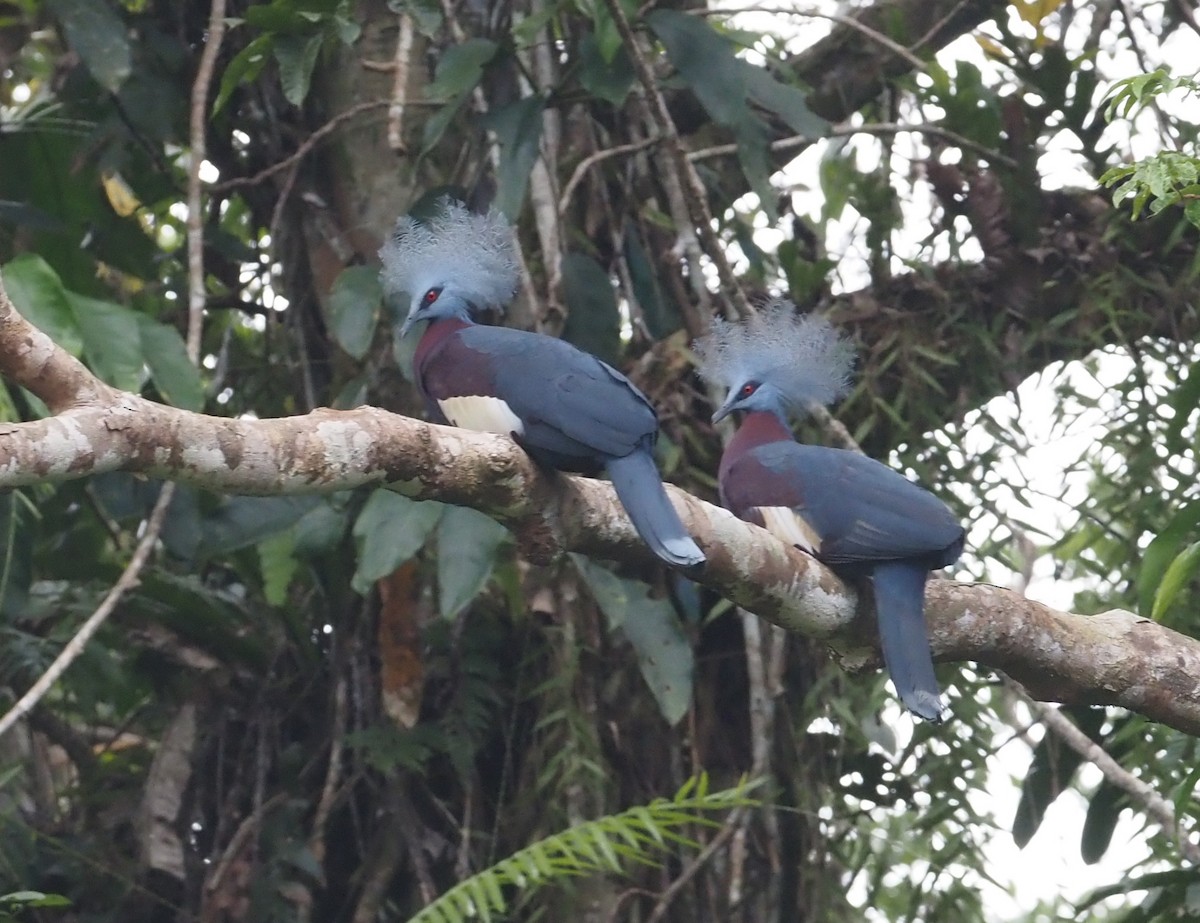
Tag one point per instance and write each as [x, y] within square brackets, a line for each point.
[743, 482]
[445, 367]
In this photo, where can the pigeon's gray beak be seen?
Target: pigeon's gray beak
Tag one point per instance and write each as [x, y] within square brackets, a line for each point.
[413, 318]
[725, 409]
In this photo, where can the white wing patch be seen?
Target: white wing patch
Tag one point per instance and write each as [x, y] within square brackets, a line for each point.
[482, 414]
[788, 526]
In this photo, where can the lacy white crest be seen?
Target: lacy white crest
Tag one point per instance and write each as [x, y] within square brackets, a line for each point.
[456, 248]
[802, 355]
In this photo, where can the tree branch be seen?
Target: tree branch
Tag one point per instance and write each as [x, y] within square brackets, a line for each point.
[1113, 658]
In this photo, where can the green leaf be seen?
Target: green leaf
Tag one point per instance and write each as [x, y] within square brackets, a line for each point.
[243, 521]
[297, 56]
[663, 651]
[518, 128]
[594, 321]
[467, 545]
[1050, 772]
[354, 304]
[38, 294]
[34, 899]
[245, 67]
[706, 60]
[661, 316]
[112, 342]
[98, 34]
[605, 79]
[276, 557]
[1161, 552]
[1179, 573]
[788, 102]
[321, 528]
[460, 68]
[724, 84]
[18, 533]
[1104, 810]
[390, 530]
[173, 374]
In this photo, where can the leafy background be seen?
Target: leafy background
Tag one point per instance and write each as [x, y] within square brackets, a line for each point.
[307, 710]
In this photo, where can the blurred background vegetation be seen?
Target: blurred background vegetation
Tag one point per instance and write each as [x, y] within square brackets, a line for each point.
[336, 708]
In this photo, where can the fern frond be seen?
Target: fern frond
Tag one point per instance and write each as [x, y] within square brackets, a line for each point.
[636, 836]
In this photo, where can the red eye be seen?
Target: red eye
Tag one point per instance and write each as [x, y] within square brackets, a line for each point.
[432, 295]
[748, 389]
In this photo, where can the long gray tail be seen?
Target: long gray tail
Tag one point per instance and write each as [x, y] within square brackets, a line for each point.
[640, 488]
[900, 603]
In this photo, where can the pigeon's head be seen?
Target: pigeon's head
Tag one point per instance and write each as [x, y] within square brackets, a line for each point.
[777, 361]
[453, 265]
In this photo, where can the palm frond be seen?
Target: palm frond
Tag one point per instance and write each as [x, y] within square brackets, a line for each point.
[636, 836]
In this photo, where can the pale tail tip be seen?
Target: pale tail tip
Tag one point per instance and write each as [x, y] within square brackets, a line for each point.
[682, 553]
[926, 705]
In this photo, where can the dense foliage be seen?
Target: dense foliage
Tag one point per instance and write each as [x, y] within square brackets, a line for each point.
[337, 708]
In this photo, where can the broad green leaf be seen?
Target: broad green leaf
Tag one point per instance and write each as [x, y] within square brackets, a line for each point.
[593, 319]
[788, 102]
[321, 528]
[245, 67]
[18, 533]
[297, 56]
[467, 545]
[287, 17]
[354, 306]
[661, 316]
[460, 68]
[173, 374]
[276, 557]
[38, 294]
[34, 899]
[1179, 573]
[1104, 810]
[207, 616]
[606, 79]
[706, 60]
[724, 84]
[243, 521]
[1161, 552]
[663, 651]
[427, 14]
[112, 343]
[518, 128]
[1050, 772]
[390, 530]
[96, 31]
[1184, 401]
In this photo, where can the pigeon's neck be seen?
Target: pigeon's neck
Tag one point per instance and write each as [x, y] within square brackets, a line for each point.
[436, 333]
[758, 428]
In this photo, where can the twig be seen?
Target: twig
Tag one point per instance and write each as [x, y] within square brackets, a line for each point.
[849, 21]
[868, 128]
[664, 902]
[591, 160]
[690, 182]
[1151, 801]
[395, 124]
[195, 220]
[833, 427]
[233, 848]
[304, 149]
[333, 772]
[74, 647]
[874, 34]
